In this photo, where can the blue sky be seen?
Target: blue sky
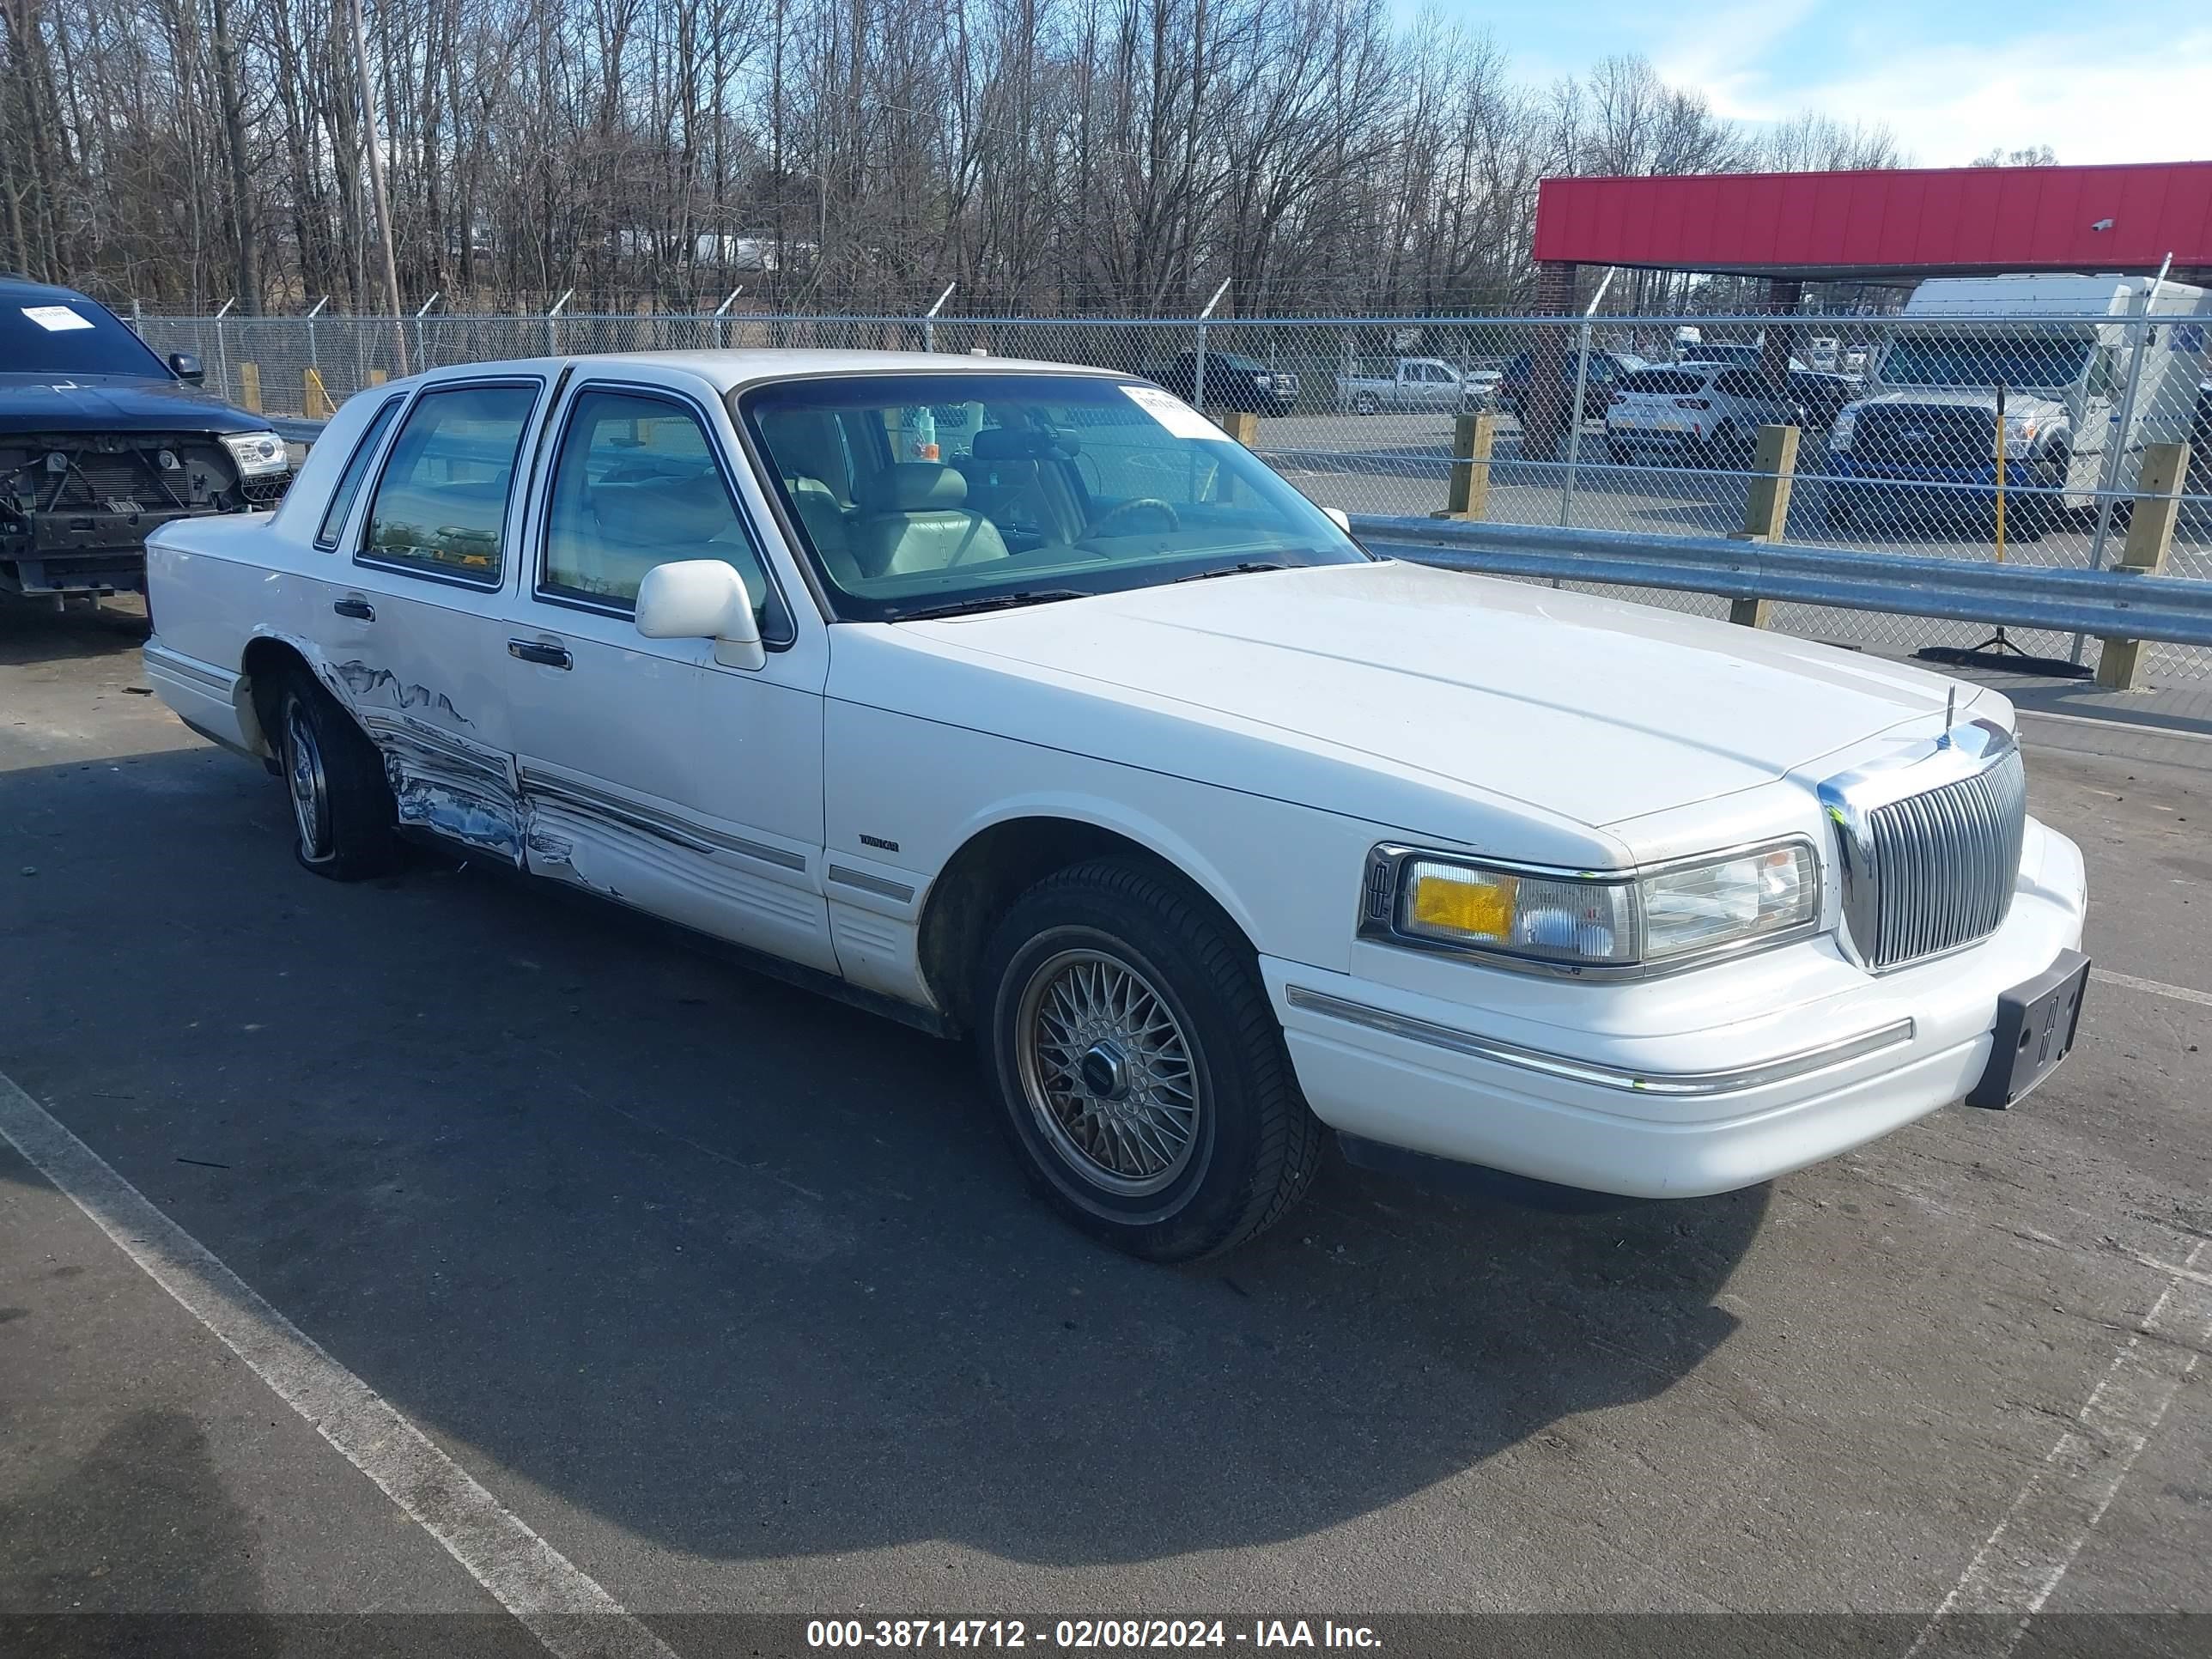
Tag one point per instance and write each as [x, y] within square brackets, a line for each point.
[2095, 83]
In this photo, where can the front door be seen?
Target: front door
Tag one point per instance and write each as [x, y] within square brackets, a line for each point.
[652, 772]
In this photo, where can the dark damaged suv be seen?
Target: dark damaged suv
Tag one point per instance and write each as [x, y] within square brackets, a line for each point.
[101, 440]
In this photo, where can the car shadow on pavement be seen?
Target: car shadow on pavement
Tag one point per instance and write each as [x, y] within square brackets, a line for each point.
[32, 630]
[737, 1269]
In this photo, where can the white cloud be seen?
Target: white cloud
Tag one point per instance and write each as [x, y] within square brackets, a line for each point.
[2092, 98]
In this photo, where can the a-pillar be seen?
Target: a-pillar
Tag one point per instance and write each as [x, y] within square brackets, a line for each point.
[1550, 365]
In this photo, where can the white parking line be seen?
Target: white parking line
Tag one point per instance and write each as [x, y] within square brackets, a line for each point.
[2157, 987]
[2020, 1563]
[561, 1604]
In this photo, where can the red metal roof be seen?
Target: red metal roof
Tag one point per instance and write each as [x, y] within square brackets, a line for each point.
[1902, 221]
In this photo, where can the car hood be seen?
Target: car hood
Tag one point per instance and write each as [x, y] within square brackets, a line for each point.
[1593, 709]
[1939, 397]
[57, 403]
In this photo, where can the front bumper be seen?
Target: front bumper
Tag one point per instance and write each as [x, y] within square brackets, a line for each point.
[1600, 1094]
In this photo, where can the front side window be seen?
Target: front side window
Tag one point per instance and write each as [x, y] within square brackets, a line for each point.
[1048, 485]
[440, 506]
[637, 484]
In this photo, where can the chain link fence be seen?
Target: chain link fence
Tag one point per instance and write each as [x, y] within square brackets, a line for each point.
[1990, 430]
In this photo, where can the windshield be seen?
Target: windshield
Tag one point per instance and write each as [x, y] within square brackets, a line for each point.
[1985, 360]
[61, 335]
[922, 493]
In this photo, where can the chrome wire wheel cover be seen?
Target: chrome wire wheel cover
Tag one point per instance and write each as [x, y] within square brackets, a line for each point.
[305, 782]
[1108, 1072]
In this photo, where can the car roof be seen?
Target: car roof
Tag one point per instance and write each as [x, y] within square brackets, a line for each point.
[732, 370]
[14, 287]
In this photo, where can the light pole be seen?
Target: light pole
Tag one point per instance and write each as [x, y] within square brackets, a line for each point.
[376, 184]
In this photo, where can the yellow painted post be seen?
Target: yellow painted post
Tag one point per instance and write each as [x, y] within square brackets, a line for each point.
[378, 376]
[2150, 534]
[315, 402]
[1766, 508]
[1241, 424]
[249, 386]
[1474, 435]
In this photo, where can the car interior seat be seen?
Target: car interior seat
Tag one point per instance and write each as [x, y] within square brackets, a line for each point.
[914, 516]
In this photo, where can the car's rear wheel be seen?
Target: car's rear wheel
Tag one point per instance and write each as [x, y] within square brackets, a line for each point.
[1138, 1068]
[343, 820]
[1367, 404]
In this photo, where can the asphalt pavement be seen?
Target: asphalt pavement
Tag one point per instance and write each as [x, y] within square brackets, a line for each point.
[730, 1296]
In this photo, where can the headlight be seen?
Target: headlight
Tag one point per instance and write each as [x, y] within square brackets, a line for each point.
[258, 453]
[1660, 919]
[1550, 919]
[1695, 907]
[1846, 424]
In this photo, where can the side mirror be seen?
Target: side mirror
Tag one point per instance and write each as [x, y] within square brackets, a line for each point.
[702, 600]
[1339, 517]
[187, 369]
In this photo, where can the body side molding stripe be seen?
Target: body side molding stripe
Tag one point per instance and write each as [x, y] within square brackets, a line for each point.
[1781, 1069]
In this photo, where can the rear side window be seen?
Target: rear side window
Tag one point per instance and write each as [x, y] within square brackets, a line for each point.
[1740, 383]
[356, 469]
[440, 506]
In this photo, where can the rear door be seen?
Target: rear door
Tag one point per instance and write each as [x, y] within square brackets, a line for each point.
[654, 774]
[412, 620]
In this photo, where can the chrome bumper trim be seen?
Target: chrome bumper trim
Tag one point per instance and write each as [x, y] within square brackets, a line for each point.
[1782, 1069]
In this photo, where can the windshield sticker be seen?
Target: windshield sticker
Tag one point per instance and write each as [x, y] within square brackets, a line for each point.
[1179, 417]
[56, 319]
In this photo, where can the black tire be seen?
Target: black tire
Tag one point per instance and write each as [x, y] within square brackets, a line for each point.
[1618, 452]
[1366, 404]
[1250, 1147]
[1837, 511]
[344, 823]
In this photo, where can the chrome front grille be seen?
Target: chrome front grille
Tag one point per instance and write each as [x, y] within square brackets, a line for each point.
[1928, 845]
[1945, 863]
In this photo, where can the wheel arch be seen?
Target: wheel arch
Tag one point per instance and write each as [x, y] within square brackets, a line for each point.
[1000, 860]
[268, 657]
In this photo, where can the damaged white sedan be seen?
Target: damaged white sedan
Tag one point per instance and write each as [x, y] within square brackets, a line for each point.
[1017, 701]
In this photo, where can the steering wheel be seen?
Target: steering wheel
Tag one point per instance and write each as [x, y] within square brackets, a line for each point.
[1121, 508]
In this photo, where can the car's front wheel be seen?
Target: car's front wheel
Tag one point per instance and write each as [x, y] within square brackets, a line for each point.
[1367, 404]
[1138, 1068]
[343, 815]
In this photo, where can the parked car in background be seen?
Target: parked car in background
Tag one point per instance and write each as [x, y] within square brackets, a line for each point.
[1232, 382]
[1920, 443]
[1606, 370]
[1705, 414]
[1097, 742]
[102, 441]
[1417, 383]
[1821, 395]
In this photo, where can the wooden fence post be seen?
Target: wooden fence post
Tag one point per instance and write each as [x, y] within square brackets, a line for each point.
[249, 386]
[1241, 424]
[315, 402]
[1468, 494]
[1766, 508]
[379, 376]
[2150, 533]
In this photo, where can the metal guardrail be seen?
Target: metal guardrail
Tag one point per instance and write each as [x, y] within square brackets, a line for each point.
[2115, 604]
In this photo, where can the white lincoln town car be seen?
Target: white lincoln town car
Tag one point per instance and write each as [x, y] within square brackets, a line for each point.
[1017, 701]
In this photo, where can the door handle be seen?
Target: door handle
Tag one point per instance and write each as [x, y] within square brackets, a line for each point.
[359, 610]
[537, 651]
